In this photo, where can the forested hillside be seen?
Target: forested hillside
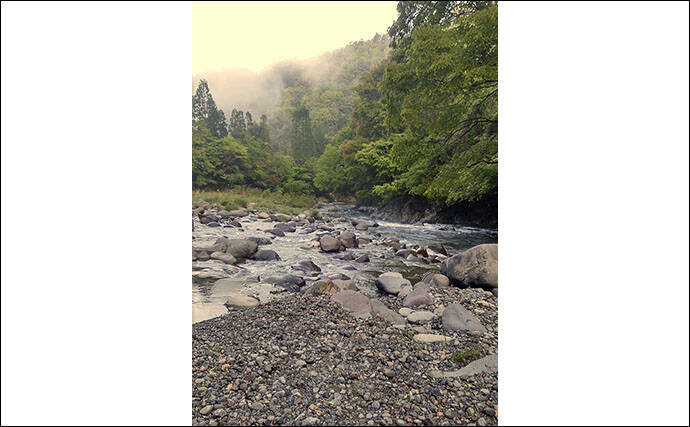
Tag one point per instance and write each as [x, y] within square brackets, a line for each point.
[407, 119]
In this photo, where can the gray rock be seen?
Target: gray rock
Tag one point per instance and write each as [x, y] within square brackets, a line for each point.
[329, 244]
[266, 255]
[206, 410]
[241, 301]
[222, 256]
[306, 266]
[390, 284]
[487, 364]
[419, 296]
[457, 318]
[345, 285]
[420, 317]
[405, 311]
[363, 258]
[285, 228]
[241, 248]
[349, 239]
[431, 338]
[438, 248]
[355, 302]
[435, 279]
[476, 267]
[282, 217]
[276, 232]
[289, 282]
[380, 309]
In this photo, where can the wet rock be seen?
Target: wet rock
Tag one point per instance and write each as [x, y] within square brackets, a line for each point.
[476, 267]
[285, 228]
[266, 255]
[306, 266]
[438, 248]
[404, 253]
[457, 318]
[213, 224]
[276, 232]
[241, 248]
[363, 258]
[289, 282]
[329, 244]
[260, 240]
[348, 239]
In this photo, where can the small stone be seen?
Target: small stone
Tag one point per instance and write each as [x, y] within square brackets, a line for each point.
[206, 410]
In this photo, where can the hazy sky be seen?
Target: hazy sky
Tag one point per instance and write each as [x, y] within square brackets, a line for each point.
[255, 34]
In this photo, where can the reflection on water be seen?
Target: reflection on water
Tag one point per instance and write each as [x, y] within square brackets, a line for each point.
[208, 298]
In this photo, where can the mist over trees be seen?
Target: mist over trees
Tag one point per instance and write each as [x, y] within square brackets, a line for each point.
[411, 115]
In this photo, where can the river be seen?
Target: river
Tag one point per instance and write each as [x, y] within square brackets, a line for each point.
[246, 278]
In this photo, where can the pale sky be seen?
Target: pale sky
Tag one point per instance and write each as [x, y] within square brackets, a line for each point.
[255, 34]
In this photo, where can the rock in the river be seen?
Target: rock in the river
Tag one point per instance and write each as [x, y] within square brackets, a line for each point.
[329, 244]
[362, 226]
[239, 212]
[349, 239]
[285, 228]
[404, 253]
[266, 255]
[419, 296]
[241, 301]
[380, 309]
[262, 215]
[391, 283]
[457, 318]
[222, 256]
[438, 248]
[420, 317]
[289, 282]
[322, 287]
[241, 248]
[356, 303]
[476, 267]
[306, 266]
[282, 217]
[276, 232]
[260, 240]
[363, 258]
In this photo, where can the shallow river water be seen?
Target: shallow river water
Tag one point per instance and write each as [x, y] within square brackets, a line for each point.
[246, 278]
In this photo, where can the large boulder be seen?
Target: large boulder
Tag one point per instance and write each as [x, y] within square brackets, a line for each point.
[266, 255]
[457, 318]
[329, 244]
[356, 303]
[349, 239]
[419, 296]
[391, 283]
[476, 267]
[241, 248]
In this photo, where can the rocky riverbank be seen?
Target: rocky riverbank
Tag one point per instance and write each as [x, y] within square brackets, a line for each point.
[313, 345]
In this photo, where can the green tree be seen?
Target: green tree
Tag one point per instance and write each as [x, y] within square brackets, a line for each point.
[204, 108]
[302, 141]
